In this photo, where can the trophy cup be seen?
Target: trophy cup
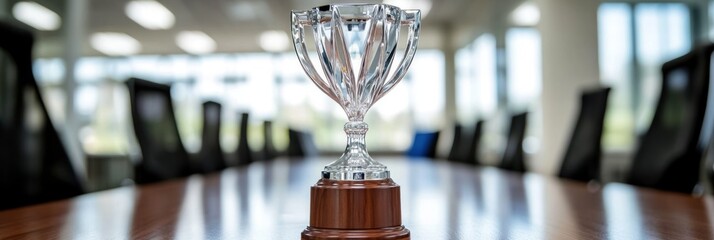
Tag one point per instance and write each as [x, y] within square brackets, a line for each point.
[356, 46]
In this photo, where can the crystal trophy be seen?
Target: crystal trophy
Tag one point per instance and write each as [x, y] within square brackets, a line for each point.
[357, 51]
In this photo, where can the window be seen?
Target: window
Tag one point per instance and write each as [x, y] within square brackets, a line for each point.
[524, 72]
[476, 79]
[268, 86]
[524, 68]
[634, 41]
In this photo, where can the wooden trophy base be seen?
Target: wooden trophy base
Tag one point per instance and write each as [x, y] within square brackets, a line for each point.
[368, 209]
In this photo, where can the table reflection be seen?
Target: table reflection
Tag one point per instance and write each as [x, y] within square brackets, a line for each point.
[156, 209]
[108, 213]
[635, 214]
[622, 213]
[440, 200]
[449, 201]
[191, 214]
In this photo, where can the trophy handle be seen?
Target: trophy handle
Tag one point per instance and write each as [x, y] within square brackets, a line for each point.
[299, 20]
[412, 18]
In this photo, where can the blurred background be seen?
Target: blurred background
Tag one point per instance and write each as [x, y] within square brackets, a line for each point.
[476, 60]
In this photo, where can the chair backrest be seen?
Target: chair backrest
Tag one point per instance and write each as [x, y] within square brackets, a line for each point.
[669, 155]
[582, 158]
[513, 156]
[457, 144]
[34, 166]
[268, 151]
[163, 153]
[708, 162]
[466, 143]
[424, 144]
[244, 153]
[473, 155]
[211, 157]
[301, 144]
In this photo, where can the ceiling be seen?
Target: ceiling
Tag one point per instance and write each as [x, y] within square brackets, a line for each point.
[236, 29]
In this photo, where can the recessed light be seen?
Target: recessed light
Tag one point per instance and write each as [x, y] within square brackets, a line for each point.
[195, 42]
[36, 15]
[274, 41]
[150, 14]
[526, 14]
[115, 44]
[247, 10]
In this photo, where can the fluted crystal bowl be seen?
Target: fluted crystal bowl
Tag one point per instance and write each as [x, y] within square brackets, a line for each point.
[356, 47]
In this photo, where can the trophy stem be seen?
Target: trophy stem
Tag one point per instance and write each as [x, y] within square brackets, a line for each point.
[355, 163]
[356, 143]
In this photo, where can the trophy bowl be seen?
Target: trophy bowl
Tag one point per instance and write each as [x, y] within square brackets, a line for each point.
[356, 46]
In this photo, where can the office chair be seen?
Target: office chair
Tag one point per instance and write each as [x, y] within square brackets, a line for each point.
[708, 163]
[513, 156]
[669, 155]
[163, 153]
[243, 153]
[211, 156]
[473, 154]
[457, 144]
[424, 144]
[268, 151]
[582, 158]
[34, 166]
[301, 144]
[465, 146]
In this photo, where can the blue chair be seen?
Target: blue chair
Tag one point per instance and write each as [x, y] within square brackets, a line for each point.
[424, 145]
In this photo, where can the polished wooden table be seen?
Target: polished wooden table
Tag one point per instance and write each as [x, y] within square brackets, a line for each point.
[440, 200]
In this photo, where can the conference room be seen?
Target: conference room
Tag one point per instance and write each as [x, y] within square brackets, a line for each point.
[393, 119]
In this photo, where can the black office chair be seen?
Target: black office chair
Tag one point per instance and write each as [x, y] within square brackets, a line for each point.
[424, 145]
[34, 166]
[244, 153]
[457, 144]
[473, 154]
[211, 156]
[465, 146]
[163, 153]
[710, 174]
[582, 158]
[709, 164]
[301, 144]
[513, 156]
[669, 155]
[268, 151]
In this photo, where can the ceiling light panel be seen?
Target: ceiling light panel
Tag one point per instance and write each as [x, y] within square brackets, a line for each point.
[248, 10]
[526, 14]
[36, 15]
[274, 41]
[150, 14]
[115, 44]
[195, 42]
